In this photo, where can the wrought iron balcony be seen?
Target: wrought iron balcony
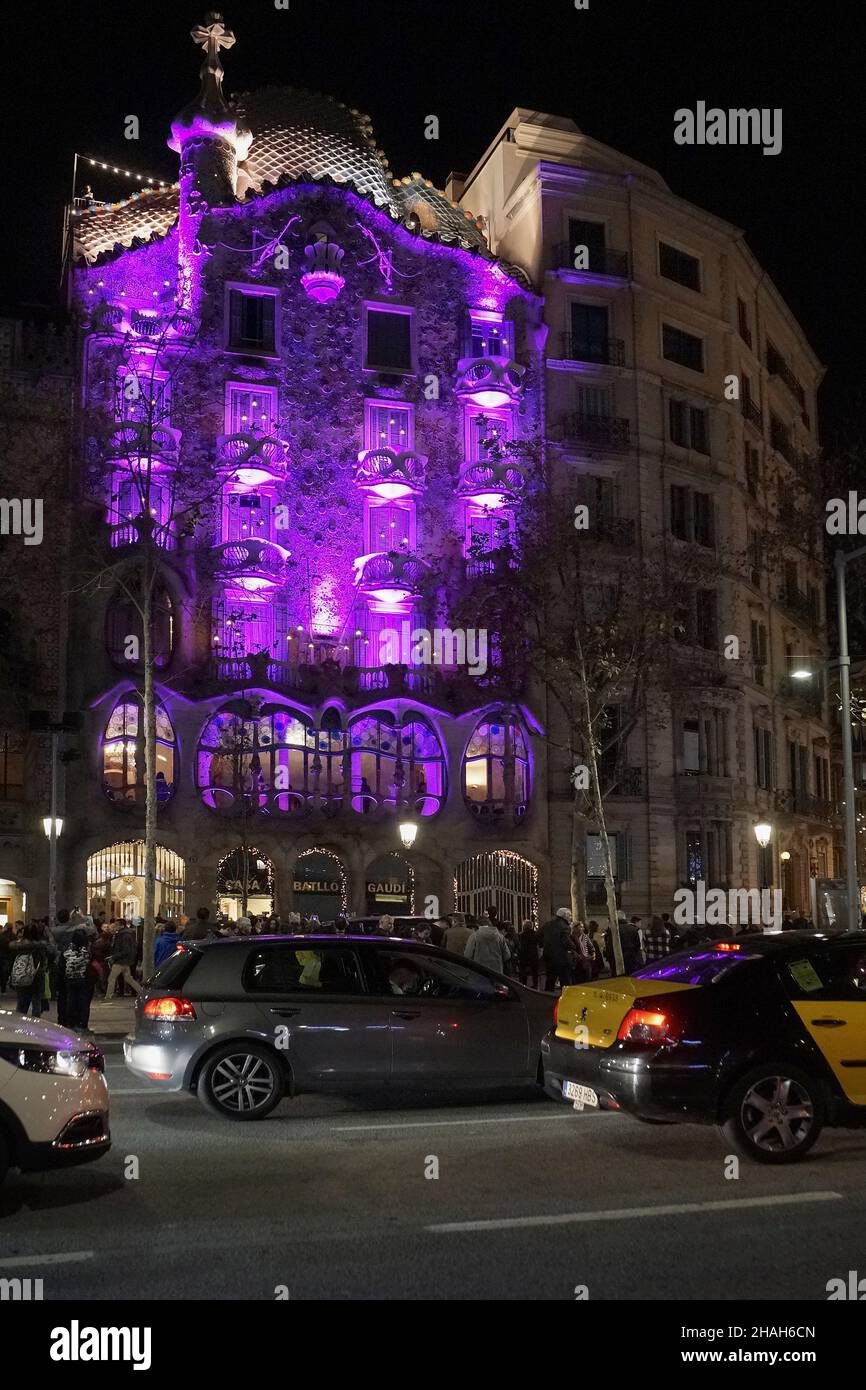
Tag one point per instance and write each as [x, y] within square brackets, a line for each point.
[627, 782]
[494, 483]
[751, 414]
[595, 431]
[252, 564]
[127, 533]
[252, 458]
[489, 381]
[609, 352]
[777, 366]
[803, 803]
[494, 564]
[805, 607]
[393, 575]
[601, 262]
[390, 473]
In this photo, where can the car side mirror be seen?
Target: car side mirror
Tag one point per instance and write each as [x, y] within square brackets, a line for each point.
[502, 992]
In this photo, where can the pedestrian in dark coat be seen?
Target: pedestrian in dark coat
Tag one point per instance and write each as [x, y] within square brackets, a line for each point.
[556, 943]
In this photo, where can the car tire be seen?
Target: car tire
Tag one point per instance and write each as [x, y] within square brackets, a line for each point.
[774, 1113]
[241, 1081]
[4, 1157]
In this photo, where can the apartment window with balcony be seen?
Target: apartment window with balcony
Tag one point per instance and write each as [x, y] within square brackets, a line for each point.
[752, 467]
[743, 322]
[678, 265]
[489, 336]
[705, 744]
[798, 768]
[143, 395]
[389, 426]
[708, 855]
[388, 339]
[822, 776]
[688, 426]
[620, 860]
[780, 438]
[763, 745]
[487, 431]
[389, 527]
[486, 531]
[596, 402]
[759, 649]
[692, 515]
[250, 409]
[252, 321]
[754, 556]
[682, 347]
[247, 516]
[588, 234]
[590, 341]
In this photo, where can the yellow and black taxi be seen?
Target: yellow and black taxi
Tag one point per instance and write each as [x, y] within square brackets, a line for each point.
[764, 1036]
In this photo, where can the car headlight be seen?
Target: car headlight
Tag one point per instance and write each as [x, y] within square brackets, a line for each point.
[57, 1063]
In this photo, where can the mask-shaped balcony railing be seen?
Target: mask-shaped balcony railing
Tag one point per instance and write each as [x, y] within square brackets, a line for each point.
[135, 442]
[391, 577]
[496, 483]
[252, 459]
[489, 381]
[252, 565]
[389, 474]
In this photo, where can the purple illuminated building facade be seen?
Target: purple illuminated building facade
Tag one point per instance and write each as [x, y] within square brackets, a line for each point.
[303, 370]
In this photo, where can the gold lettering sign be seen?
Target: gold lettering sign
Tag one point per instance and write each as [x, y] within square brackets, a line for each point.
[392, 889]
[314, 886]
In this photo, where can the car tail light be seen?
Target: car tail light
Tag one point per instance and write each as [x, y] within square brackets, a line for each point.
[727, 946]
[646, 1026]
[171, 1006]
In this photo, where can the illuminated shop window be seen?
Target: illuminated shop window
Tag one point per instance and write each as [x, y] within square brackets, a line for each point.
[123, 772]
[496, 767]
[393, 766]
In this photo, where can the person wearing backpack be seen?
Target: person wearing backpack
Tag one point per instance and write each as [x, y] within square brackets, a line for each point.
[29, 957]
[74, 969]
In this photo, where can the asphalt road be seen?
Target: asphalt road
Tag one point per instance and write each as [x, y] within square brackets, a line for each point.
[328, 1197]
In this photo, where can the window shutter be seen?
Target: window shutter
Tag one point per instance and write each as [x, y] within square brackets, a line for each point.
[235, 320]
[268, 323]
[624, 856]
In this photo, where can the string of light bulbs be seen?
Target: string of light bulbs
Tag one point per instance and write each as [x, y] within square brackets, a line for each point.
[126, 173]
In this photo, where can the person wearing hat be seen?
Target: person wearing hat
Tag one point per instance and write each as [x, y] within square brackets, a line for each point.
[556, 944]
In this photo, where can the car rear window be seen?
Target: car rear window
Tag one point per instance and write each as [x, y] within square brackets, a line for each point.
[176, 970]
[705, 967]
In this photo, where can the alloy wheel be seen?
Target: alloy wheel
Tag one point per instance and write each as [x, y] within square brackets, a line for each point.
[242, 1082]
[777, 1114]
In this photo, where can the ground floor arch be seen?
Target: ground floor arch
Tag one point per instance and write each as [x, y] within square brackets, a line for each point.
[501, 879]
[389, 885]
[245, 883]
[320, 884]
[115, 881]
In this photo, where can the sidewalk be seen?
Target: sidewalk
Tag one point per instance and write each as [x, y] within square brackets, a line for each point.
[112, 1020]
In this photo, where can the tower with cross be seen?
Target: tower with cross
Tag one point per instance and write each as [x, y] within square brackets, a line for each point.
[210, 137]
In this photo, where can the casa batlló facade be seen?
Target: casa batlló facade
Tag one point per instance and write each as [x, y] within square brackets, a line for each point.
[313, 367]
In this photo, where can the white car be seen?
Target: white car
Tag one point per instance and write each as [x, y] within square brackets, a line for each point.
[53, 1097]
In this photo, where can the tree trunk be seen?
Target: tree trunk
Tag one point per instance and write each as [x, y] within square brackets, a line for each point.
[150, 812]
[598, 806]
[578, 859]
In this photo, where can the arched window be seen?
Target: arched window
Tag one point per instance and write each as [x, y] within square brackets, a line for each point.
[123, 621]
[123, 753]
[228, 765]
[274, 761]
[496, 768]
[391, 766]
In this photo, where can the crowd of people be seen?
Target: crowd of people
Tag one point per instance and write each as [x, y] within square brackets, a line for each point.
[81, 957]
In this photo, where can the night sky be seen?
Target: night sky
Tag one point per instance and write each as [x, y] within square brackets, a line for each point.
[619, 70]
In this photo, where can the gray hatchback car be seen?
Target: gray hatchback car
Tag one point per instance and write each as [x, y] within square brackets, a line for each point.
[243, 1023]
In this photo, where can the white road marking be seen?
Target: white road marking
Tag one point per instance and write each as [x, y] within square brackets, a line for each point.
[635, 1213]
[428, 1124]
[30, 1261]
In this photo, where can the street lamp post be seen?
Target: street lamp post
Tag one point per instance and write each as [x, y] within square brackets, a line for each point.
[40, 722]
[763, 834]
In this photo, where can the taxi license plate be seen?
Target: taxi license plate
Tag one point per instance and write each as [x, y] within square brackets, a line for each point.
[581, 1095]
